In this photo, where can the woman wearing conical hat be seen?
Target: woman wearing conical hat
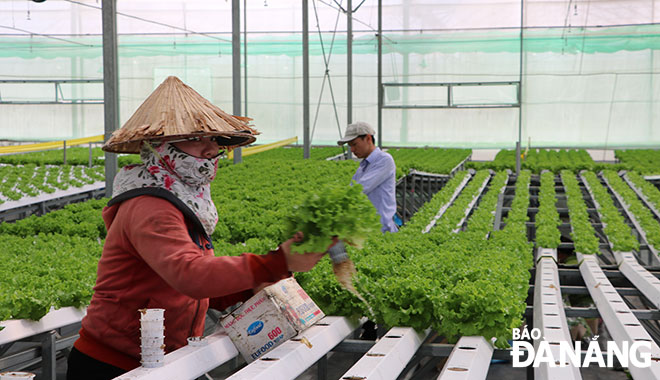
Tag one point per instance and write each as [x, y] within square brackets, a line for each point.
[158, 252]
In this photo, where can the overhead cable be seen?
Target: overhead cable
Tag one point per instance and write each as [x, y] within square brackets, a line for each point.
[154, 22]
[46, 35]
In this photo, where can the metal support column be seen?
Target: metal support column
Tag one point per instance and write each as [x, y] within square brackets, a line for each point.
[413, 196]
[245, 61]
[305, 69]
[110, 86]
[236, 66]
[91, 158]
[349, 62]
[518, 158]
[380, 74]
[522, 21]
[403, 208]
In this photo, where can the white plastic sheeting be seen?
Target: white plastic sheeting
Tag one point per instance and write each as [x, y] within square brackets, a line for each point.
[589, 67]
[167, 16]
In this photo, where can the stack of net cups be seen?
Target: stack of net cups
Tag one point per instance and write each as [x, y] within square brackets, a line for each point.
[152, 335]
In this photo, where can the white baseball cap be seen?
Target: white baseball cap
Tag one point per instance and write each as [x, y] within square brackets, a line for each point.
[356, 129]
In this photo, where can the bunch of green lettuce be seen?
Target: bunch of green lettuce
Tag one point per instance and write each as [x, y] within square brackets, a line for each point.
[340, 210]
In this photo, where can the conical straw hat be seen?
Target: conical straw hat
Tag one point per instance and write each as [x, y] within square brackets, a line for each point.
[175, 111]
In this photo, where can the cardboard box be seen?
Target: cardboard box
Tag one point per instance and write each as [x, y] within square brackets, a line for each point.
[270, 318]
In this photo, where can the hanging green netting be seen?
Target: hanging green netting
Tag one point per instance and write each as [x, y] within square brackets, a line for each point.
[581, 87]
[538, 40]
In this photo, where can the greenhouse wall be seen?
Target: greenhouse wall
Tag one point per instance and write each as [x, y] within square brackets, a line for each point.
[583, 85]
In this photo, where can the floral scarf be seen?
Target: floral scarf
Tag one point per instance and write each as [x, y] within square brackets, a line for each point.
[185, 176]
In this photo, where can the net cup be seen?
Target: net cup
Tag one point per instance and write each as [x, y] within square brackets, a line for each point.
[149, 351]
[152, 333]
[152, 342]
[197, 341]
[151, 314]
[16, 376]
[153, 364]
[158, 324]
[153, 359]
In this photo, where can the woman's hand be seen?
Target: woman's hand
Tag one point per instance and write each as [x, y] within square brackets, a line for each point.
[301, 262]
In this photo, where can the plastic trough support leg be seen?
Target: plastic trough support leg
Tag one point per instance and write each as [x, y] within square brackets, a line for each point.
[404, 211]
[413, 195]
[5, 347]
[48, 356]
[322, 367]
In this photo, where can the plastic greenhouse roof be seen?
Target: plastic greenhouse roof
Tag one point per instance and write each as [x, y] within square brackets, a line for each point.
[83, 17]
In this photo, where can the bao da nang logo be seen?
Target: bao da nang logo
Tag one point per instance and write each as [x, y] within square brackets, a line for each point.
[576, 354]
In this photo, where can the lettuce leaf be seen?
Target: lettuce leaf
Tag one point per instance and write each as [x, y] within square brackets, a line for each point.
[339, 210]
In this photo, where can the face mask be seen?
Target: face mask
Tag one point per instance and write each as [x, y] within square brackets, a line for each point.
[191, 170]
[185, 176]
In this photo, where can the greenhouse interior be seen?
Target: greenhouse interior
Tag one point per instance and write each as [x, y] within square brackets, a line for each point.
[330, 189]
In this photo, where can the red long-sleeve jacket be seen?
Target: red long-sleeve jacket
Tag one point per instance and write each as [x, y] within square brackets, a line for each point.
[149, 260]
